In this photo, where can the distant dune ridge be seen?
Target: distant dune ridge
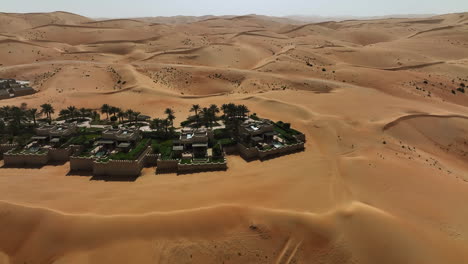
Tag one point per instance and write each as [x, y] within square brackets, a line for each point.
[382, 102]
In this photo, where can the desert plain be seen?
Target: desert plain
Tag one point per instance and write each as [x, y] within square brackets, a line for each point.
[383, 179]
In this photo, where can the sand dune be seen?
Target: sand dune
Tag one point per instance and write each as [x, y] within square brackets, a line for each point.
[383, 178]
[310, 234]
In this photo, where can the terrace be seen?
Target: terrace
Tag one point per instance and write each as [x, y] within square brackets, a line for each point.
[122, 135]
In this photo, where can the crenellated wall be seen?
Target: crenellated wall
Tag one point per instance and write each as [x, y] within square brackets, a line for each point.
[120, 167]
[81, 164]
[247, 153]
[6, 147]
[262, 154]
[151, 159]
[167, 165]
[60, 154]
[230, 150]
[194, 167]
[300, 137]
[25, 159]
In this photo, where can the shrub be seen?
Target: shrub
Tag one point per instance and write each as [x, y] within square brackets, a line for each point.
[461, 89]
[217, 151]
[221, 133]
[254, 116]
[113, 118]
[226, 142]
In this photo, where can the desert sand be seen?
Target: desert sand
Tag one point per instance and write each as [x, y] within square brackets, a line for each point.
[384, 178]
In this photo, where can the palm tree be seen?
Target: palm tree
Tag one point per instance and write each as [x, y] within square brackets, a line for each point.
[195, 108]
[105, 110]
[205, 115]
[94, 115]
[6, 111]
[64, 113]
[48, 110]
[243, 111]
[213, 111]
[170, 116]
[72, 110]
[33, 113]
[136, 115]
[121, 115]
[129, 114]
[157, 124]
[114, 110]
[165, 123]
[17, 115]
[84, 112]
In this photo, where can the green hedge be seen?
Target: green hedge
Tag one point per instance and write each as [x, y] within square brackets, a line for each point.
[133, 154]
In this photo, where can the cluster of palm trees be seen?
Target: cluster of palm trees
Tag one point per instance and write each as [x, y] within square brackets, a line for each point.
[166, 124]
[16, 117]
[72, 112]
[205, 116]
[117, 114]
[208, 115]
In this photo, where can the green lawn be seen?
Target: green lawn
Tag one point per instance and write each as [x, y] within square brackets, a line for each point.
[132, 154]
[163, 147]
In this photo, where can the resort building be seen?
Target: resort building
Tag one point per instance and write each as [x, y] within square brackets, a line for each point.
[48, 145]
[22, 90]
[4, 94]
[257, 131]
[13, 88]
[193, 143]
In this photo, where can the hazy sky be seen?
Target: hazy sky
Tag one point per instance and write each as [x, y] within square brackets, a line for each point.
[138, 8]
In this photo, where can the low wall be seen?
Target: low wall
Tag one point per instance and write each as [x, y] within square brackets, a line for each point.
[76, 150]
[6, 147]
[262, 154]
[230, 150]
[300, 137]
[185, 168]
[151, 159]
[117, 168]
[121, 167]
[25, 159]
[167, 165]
[60, 154]
[81, 164]
[247, 153]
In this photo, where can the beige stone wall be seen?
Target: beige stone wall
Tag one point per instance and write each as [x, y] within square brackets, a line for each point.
[60, 154]
[81, 164]
[151, 159]
[6, 147]
[279, 151]
[25, 159]
[186, 168]
[167, 164]
[117, 168]
[300, 137]
[231, 149]
[247, 153]
[121, 167]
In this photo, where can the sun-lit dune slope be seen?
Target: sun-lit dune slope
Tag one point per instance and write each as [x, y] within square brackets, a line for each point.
[14, 22]
[266, 236]
[383, 104]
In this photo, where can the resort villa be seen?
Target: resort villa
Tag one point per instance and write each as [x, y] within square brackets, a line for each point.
[12, 88]
[48, 145]
[199, 145]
